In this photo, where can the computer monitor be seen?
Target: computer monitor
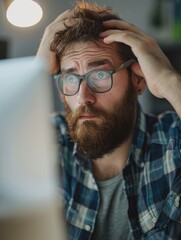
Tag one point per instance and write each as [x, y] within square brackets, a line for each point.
[30, 207]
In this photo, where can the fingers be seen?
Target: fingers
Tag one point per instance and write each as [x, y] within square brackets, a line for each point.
[122, 25]
[59, 23]
[139, 43]
[120, 31]
[110, 36]
[44, 49]
[62, 18]
[129, 38]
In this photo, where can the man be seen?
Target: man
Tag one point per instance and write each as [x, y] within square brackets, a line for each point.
[121, 168]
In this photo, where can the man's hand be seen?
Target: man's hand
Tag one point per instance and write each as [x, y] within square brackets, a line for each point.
[153, 65]
[44, 48]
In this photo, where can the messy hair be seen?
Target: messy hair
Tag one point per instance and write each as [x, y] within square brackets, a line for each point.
[86, 25]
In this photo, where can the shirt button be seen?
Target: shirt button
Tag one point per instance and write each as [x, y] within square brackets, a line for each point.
[87, 227]
[154, 219]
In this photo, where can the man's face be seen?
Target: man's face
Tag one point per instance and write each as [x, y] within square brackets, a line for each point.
[99, 122]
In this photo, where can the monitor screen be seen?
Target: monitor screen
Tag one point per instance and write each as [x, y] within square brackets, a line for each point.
[29, 201]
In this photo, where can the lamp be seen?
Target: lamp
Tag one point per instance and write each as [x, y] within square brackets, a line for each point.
[24, 13]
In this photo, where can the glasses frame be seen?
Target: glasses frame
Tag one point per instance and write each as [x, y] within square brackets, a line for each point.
[85, 78]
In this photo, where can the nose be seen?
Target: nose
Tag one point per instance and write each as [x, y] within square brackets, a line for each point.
[85, 95]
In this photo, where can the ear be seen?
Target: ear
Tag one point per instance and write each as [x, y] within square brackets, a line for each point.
[138, 78]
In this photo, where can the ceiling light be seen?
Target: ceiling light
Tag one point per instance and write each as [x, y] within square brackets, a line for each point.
[24, 13]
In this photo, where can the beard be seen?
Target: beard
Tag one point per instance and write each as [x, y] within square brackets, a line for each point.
[97, 138]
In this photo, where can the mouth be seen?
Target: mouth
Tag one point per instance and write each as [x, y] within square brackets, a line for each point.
[87, 117]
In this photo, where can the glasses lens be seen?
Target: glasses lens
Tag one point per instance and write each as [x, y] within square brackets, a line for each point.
[100, 81]
[69, 84]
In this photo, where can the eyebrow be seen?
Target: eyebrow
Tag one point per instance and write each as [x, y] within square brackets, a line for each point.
[96, 63]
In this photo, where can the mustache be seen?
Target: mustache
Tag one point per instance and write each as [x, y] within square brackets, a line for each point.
[82, 110]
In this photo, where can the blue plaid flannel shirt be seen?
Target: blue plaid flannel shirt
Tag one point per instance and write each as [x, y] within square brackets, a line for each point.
[152, 178]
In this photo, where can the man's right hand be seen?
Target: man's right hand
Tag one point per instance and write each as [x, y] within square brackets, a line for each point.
[48, 36]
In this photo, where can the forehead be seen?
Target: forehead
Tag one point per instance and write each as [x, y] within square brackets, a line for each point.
[88, 51]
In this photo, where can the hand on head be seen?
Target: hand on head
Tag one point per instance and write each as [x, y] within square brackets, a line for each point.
[154, 66]
[44, 49]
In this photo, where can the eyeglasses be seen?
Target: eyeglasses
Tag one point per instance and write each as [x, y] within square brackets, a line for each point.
[99, 81]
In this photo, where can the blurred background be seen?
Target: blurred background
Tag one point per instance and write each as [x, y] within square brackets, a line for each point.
[159, 18]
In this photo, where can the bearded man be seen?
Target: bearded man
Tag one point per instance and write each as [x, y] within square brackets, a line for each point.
[121, 168]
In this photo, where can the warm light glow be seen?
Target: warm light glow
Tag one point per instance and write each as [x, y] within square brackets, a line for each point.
[24, 13]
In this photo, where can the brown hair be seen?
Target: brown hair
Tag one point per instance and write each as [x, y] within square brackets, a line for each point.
[86, 25]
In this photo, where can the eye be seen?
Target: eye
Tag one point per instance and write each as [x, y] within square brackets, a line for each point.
[100, 75]
[71, 79]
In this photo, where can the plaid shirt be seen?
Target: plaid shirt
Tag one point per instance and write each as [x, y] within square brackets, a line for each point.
[152, 178]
